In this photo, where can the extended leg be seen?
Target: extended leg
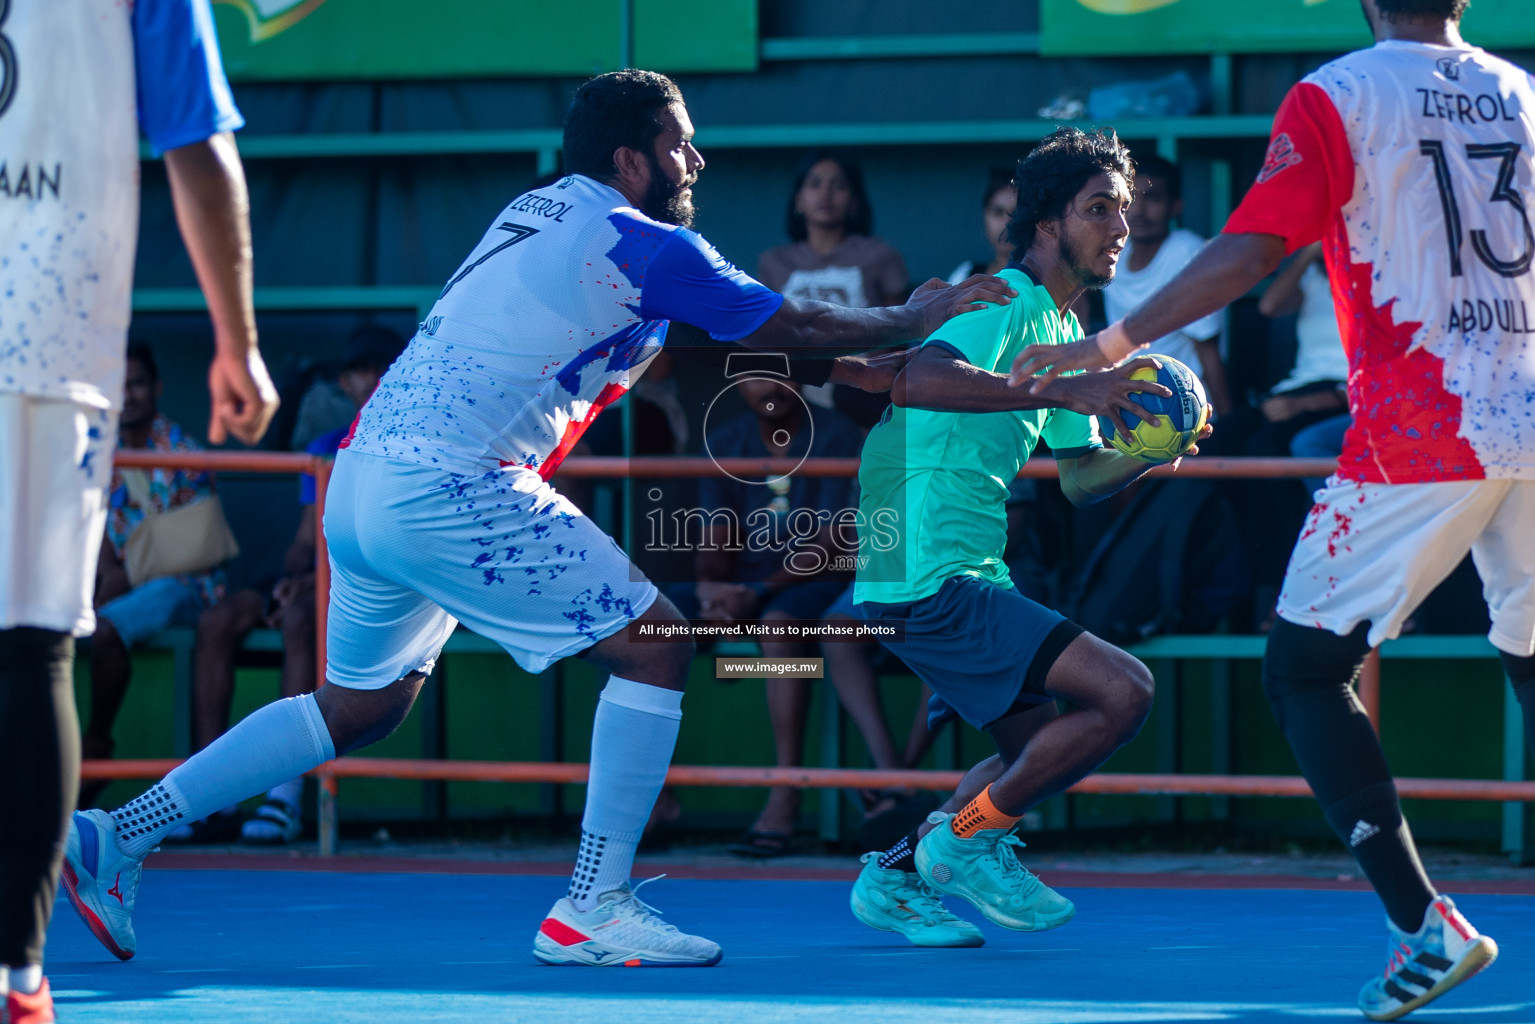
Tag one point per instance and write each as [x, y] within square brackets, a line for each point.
[105, 854]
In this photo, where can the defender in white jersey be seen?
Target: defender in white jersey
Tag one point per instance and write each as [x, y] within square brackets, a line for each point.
[1412, 163]
[69, 132]
[440, 510]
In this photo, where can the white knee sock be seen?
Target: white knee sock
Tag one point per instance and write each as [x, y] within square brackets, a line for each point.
[26, 980]
[633, 738]
[272, 745]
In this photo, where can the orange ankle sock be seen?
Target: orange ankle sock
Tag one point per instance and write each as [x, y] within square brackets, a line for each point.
[979, 814]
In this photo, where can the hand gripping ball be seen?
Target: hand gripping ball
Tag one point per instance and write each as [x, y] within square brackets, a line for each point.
[1180, 418]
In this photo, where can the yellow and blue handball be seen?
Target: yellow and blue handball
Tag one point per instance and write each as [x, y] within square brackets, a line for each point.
[1179, 418]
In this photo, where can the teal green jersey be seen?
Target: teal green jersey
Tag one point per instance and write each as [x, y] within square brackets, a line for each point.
[934, 484]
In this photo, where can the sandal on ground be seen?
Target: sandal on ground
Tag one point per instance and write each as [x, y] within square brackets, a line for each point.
[881, 831]
[765, 845]
[275, 822]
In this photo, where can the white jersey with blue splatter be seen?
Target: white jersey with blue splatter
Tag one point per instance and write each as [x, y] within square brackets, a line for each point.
[551, 318]
[69, 174]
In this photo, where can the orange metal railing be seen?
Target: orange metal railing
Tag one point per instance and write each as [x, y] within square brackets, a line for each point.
[702, 775]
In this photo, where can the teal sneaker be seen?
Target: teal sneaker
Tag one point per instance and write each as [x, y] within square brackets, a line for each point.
[985, 870]
[1425, 965]
[889, 900]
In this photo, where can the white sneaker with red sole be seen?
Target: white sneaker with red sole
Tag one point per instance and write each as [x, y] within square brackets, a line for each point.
[101, 881]
[620, 931]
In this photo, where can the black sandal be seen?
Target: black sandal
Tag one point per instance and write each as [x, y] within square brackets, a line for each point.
[763, 845]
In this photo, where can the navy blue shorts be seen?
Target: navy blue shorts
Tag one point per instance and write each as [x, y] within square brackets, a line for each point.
[984, 650]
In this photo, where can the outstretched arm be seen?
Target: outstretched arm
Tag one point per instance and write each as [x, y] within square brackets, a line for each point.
[1225, 270]
[213, 212]
[937, 379]
[802, 323]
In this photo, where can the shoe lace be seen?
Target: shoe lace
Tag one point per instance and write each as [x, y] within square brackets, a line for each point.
[1399, 957]
[636, 909]
[1005, 854]
[930, 899]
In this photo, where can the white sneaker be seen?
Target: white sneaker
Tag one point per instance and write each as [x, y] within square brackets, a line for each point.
[101, 881]
[1442, 953]
[620, 931]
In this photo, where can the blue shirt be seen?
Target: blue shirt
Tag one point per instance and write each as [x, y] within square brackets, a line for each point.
[325, 446]
[183, 96]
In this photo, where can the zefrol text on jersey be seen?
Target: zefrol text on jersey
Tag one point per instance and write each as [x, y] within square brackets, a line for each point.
[1462, 109]
[542, 206]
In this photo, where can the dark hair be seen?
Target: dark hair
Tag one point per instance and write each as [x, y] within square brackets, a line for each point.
[614, 110]
[1057, 169]
[1159, 168]
[997, 179]
[860, 215]
[140, 352]
[1449, 9]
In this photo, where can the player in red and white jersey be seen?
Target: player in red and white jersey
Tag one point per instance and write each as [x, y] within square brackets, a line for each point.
[1412, 163]
[440, 509]
[69, 195]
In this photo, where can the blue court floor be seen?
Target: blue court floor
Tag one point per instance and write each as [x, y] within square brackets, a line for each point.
[226, 947]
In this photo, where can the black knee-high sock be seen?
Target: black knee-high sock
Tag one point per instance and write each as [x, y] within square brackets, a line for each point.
[1521, 673]
[39, 774]
[1307, 675]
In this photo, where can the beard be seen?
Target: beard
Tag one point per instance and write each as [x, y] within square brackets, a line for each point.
[1075, 261]
[665, 200]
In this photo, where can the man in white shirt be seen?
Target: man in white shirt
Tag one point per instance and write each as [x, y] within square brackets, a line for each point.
[1154, 256]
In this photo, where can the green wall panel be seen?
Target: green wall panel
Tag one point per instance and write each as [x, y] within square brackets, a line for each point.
[1101, 27]
[695, 35]
[288, 40]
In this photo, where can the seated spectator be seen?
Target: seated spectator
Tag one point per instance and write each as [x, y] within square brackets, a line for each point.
[1271, 511]
[997, 205]
[287, 604]
[1316, 388]
[1154, 255]
[1322, 440]
[851, 668]
[131, 612]
[746, 569]
[833, 256]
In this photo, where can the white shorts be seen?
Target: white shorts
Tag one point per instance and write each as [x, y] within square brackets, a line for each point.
[414, 551]
[55, 467]
[1373, 552]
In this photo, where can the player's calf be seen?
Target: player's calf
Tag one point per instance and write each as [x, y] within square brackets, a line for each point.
[358, 718]
[665, 664]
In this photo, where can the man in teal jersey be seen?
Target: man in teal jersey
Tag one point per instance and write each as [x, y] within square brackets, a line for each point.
[934, 479]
